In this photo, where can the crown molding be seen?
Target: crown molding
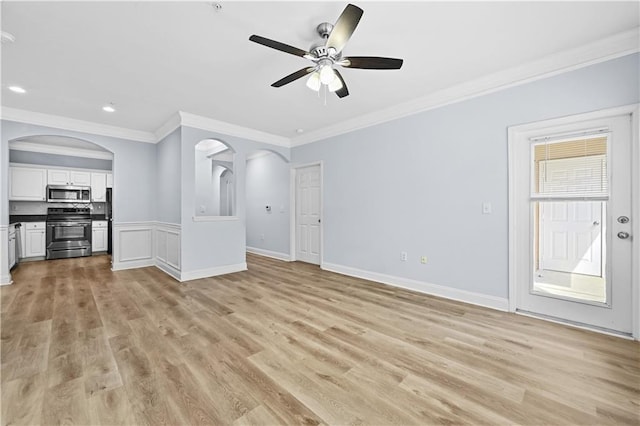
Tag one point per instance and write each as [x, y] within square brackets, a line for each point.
[66, 123]
[205, 123]
[616, 46]
[59, 150]
[169, 126]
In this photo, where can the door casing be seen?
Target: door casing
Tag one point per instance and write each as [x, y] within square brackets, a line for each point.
[517, 135]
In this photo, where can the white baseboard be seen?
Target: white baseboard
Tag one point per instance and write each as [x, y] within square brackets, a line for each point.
[5, 280]
[133, 264]
[268, 253]
[493, 302]
[168, 269]
[212, 272]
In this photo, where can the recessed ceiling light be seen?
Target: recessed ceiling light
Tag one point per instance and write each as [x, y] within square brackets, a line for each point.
[17, 89]
[108, 108]
[7, 37]
[299, 130]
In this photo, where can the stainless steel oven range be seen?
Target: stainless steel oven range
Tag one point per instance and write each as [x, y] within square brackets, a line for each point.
[68, 232]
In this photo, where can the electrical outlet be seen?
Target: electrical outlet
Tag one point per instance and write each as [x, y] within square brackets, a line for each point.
[403, 256]
[423, 259]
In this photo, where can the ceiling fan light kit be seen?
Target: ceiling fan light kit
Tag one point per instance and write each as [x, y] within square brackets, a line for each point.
[327, 56]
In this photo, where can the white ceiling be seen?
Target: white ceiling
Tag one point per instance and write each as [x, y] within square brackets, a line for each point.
[152, 59]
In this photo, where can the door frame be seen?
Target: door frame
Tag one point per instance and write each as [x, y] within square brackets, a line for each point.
[518, 136]
[292, 208]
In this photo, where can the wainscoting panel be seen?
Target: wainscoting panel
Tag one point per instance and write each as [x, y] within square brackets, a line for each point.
[167, 248]
[133, 245]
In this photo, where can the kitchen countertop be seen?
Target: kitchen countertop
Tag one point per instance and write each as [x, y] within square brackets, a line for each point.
[14, 218]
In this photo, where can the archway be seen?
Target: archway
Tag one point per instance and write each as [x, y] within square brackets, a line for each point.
[214, 178]
[267, 203]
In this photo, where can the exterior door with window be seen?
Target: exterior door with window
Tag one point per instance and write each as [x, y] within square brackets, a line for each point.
[571, 245]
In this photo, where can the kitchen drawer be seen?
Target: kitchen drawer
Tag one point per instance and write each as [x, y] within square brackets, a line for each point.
[33, 225]
[99, 224]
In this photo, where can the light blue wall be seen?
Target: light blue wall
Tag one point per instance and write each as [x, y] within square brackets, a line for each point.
[134, 170]
[168, 174]
[27, 157]
[208, 245]
[267, 183]
[417, 184]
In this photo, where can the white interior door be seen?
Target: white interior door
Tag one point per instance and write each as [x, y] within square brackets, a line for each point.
[570, 238]
[308, 209]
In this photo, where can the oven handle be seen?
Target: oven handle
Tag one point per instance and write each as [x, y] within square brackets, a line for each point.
[68, 224]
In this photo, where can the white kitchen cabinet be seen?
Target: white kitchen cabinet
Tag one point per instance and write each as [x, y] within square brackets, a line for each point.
[23, 239]
[99, 235]
[109, 180]
[78, 178]
[27, 183]
[12, 246]
[68, 177]
[57, 177]
[99, 187]
[35, 239]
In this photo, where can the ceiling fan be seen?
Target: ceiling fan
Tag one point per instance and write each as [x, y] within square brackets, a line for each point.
[326, 56]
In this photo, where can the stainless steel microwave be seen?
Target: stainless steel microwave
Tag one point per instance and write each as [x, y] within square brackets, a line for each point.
[68, 194]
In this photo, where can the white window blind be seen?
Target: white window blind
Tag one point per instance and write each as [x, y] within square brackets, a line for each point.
[574, 169]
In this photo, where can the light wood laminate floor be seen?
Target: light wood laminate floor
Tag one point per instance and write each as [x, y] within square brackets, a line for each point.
[287, 343]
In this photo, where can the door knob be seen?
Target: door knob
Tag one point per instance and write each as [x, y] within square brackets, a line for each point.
[623, 235]
[596, 223]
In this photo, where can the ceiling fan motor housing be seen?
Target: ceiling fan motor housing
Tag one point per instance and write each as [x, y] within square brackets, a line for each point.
[324, 29]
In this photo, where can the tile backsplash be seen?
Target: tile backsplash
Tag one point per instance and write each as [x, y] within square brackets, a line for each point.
[39, 207]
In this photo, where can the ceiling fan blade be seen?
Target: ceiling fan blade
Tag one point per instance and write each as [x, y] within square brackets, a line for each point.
[343, 91]
[278, 46]
[344, 27]
[292, 77]
[372, 63]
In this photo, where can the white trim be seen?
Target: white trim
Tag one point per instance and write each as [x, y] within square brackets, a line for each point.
[167, 269]
[493, 302]
[268, 253]
[518, 232]
[572, 324]
[132, 264]
[59, 122]
[635, 211]
[212, 272]
[5, 275]
[205, 123]
[259, 154]
[59, 150]
[215, 218]
[168, 127]
[616, 46]
[292, 208]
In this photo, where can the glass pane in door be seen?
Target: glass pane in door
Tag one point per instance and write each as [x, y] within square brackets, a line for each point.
[570, 189]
